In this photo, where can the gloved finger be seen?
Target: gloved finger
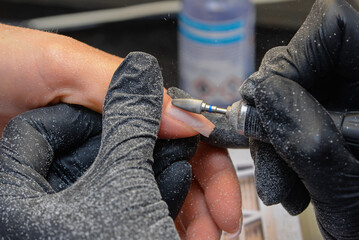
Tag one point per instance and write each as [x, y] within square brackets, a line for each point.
[174, 93]
[297, 200]
[203, 127]
[322, 52]
[73, 125]
[128, 140]
[177, 123]
[27, 150]
[65, 128]
[68, 166]
[172, 170]
[224, 135]
[140, 113]
[173, 174]
[174, 183]
[37, 135]
[302, 133]
[274, 179]
[169, 151]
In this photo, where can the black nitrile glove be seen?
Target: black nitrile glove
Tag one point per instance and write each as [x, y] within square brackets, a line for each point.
[71, 163]
[172, 171]
[307, 157]
[118, 196]
[171, 167]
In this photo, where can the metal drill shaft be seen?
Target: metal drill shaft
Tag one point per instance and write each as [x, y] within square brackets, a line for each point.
[212, 109]
[197, 106]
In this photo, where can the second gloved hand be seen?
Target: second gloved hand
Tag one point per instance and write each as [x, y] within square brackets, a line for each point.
[306, 139]
[307, 158]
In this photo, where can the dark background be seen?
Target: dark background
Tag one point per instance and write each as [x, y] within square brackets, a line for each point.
[275, 25]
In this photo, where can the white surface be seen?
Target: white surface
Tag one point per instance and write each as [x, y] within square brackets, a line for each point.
[240, 156]
[285, 225]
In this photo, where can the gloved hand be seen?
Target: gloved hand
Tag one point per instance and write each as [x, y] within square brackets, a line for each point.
[171, 167]
[295, 85]
[118, 196]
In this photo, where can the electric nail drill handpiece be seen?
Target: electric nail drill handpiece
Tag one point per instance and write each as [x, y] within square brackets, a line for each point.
[246, 121]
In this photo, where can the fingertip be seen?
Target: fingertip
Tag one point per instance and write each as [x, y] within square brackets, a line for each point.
[172, 129]
[224, 201]
[203, 228]
[176, 123]
[215, 172]
[195, 217]
[236, 234]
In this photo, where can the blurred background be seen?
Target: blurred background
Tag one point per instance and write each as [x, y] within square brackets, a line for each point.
[154, 33]
[122, 26]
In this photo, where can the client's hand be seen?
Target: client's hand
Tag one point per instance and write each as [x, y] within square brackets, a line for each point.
[40, 68]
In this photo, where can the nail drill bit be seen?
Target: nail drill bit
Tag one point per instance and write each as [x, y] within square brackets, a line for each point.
[197, 106]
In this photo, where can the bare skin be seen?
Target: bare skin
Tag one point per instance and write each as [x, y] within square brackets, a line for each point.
[39, 69]
[215, 187]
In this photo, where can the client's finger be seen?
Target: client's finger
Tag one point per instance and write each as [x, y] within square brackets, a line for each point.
[196, 218]
[176, 123]
[214, 171]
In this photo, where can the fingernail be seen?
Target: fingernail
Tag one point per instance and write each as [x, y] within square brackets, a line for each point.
[233, 235]
[241, 224]
[238, 232]
[198, 122]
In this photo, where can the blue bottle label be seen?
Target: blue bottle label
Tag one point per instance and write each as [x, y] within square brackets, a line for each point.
[211, 33]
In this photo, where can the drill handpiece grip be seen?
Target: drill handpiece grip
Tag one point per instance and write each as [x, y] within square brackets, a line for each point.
[253, 127]
[246, 121]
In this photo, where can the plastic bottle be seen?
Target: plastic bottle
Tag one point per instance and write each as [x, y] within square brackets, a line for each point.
[216, 48]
